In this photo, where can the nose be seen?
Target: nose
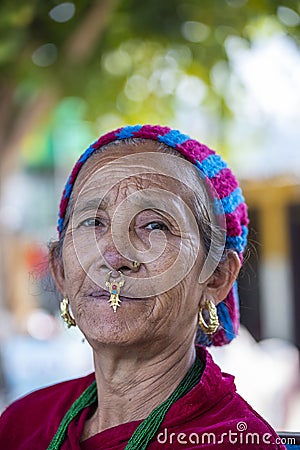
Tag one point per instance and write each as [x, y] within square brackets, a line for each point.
[114, 260]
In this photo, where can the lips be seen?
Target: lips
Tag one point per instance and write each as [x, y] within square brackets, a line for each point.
[97, 294]
[101, 294]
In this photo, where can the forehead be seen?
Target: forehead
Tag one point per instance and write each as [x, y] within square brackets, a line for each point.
[137, 166]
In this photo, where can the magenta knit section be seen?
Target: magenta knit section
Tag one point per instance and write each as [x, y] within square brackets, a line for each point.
[233, 308]
[151, 131]
[63, 204]
[224, 183]
[219, 338]
[194, 150]
[106, 138]
[235, 220]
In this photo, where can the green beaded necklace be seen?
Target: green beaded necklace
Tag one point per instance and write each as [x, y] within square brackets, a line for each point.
[148, 428]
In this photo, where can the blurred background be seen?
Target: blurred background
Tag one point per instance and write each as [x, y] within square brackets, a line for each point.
[228, 74]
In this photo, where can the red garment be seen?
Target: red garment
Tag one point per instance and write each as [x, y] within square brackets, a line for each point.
[212, 406]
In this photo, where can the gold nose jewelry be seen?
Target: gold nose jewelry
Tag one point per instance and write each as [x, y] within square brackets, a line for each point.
[114, 288]
[136, 265]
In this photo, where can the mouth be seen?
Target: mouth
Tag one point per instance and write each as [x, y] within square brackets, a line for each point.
[105, 295]
[99, 294]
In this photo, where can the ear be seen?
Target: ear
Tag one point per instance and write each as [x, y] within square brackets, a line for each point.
[56, 268]
[220, 283]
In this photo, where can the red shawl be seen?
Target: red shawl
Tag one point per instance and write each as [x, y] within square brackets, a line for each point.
[212, 415]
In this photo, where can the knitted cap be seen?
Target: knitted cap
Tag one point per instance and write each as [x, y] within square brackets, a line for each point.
[219, 176]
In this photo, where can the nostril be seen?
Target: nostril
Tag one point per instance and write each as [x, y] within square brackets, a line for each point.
[124, 269]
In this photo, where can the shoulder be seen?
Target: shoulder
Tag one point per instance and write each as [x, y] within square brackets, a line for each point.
[238, 421]
[214, 413]
[57, 395]
[245, 426]
[40, 412]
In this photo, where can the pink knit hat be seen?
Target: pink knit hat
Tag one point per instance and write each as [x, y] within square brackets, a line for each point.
[219, 176]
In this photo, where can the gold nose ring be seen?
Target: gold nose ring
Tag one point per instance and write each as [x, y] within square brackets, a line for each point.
[136, 265]
[114, 288]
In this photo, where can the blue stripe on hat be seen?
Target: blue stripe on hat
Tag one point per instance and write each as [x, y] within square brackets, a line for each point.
[204, 339]
[211, 165]
[173, 138]
[225, 320]
[227, 205]
[60, 223]
[86, 154]
[68, 189]
[232, 201]
[238, 243]
[236, 295]
[127, 132]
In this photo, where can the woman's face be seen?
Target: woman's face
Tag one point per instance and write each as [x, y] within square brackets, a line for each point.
[126, 207]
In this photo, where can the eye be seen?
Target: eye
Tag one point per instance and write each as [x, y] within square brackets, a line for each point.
[156, 226]
[92, 222]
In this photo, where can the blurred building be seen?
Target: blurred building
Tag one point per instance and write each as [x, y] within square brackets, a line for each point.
[270, 282]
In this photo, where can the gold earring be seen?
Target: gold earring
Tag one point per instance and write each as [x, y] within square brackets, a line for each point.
[65, 313]
[212, 326]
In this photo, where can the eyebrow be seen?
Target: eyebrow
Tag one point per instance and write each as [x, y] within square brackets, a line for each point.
[92, 205]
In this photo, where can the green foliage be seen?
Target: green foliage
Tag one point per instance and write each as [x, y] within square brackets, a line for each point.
[142, 52]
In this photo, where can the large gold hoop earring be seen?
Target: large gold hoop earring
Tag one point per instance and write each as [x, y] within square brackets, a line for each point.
[212, 326]
[65, 313]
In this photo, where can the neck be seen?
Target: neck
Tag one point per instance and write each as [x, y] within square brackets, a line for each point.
[130, 384]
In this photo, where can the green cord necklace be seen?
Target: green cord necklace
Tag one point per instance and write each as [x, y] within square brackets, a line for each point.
[148, 428]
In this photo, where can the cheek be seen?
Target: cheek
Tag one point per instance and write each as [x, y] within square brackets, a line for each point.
[177, 309]
[83, 246]
[169, 250]
[74, 268]
[181, 259]
[185, 306]
[186, 295]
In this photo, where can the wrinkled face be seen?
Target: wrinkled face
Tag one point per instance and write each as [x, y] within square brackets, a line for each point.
[133, 203]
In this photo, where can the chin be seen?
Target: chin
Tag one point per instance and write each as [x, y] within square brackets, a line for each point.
[126, 326]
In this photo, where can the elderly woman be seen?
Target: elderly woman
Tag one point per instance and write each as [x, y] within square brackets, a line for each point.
[152, 229]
